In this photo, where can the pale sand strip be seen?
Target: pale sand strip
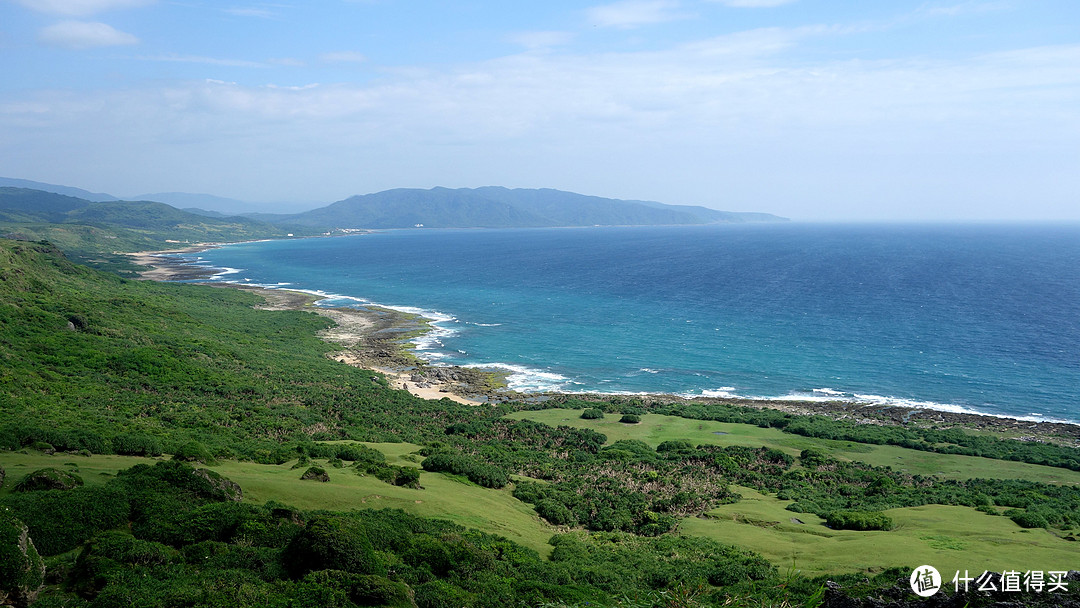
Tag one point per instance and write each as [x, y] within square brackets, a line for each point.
[353, 327]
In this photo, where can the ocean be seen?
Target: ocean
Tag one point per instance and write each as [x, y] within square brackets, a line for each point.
[973, 318]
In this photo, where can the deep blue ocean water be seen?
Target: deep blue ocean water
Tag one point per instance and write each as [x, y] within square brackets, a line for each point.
[961, 317]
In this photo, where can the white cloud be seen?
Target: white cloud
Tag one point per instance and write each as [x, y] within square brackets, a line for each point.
[259, 13]
[963, 8]
[79, 8]
[343, 57]
[84, 35]
[234, 63]
[754, 3]
[541, 40]
[289, 62]
[628, 14]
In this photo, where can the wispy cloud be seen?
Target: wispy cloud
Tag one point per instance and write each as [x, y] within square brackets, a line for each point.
[962, 8]
[84, 35]
[628, 14]
[754, 3]
[289, 62]
[259, 13]
[541, 40]
[343, 57]
[79, 8]
[235, 63]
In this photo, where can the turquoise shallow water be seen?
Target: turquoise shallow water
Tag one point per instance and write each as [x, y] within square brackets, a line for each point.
[982, 318]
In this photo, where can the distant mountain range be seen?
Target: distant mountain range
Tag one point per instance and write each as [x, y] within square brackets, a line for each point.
[487, 207]
[496, 207]
[65, 190]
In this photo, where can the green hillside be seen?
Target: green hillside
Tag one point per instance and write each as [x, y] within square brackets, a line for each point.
[93, 231]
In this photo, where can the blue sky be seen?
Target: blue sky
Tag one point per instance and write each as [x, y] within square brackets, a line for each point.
[817, 110]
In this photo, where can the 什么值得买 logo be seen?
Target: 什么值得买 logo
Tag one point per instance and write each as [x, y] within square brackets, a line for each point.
[926, 581]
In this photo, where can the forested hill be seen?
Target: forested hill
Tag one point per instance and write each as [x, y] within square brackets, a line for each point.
[91, 231]
[12, 182]
[26, 205]
[497, 207]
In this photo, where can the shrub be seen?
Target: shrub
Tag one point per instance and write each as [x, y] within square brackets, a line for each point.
[193, 451]
[478, 472]
[677, 446]
[555, 513]
[355, 452]
[441, 594]
[132, 444]
[316, 474]
[406, 477]
[332, 542]
[122, 548]
[363, 589]
[22, 571]
[593, 414]
[48, 479]
[630, 418]
[859, 520]
[61, 521]
[1027, 519]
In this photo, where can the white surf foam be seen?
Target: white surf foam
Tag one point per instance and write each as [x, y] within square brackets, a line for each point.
[226, 271]
[528, 379]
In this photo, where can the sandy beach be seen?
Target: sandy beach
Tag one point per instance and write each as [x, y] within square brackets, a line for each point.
[375, 338]
[369, 338]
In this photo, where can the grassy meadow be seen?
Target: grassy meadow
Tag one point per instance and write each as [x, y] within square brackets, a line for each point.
[655, 429]
[949, 537]
[442, 496]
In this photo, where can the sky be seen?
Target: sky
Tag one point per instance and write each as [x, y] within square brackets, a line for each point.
[818, 110]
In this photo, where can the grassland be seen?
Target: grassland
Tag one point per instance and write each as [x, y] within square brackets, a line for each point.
[949, 537]
[655, 429]
[442, 496]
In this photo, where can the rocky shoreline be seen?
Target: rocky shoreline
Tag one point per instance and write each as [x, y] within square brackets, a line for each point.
[376, 338]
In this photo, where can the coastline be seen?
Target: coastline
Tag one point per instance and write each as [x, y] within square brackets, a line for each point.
[374, 338]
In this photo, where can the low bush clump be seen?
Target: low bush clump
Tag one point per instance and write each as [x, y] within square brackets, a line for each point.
[48, 479]
[859, 520]
[476, 471]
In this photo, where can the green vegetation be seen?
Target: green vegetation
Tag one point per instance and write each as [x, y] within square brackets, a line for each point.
[472, 468]
[158, 366]
[92, 232]
[657, 428]
[132, 385]
[316, 474]
[22, 571]
[48, 479]
[858, 520]
[165, 536]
